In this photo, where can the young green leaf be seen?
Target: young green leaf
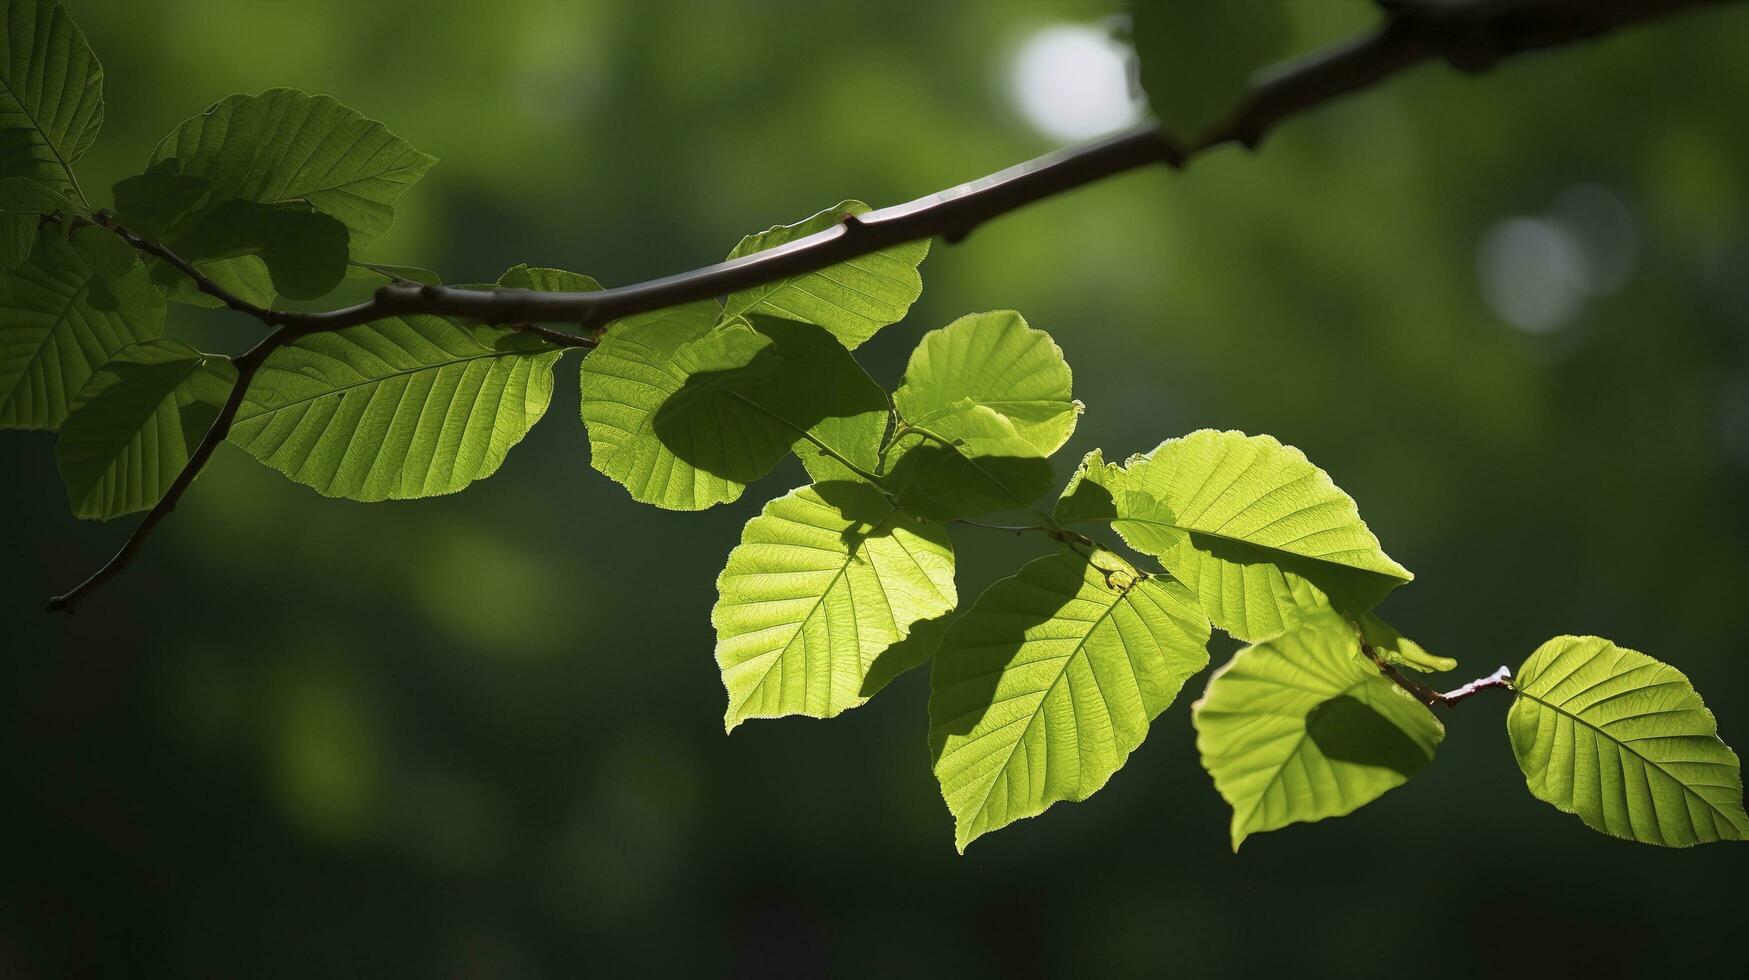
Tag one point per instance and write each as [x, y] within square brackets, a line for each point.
[1624, 742]
[284, 146]
[1398, 650]
[405, 406]
[996, 361]
[987, 465]
[63, 313]
[984, 401]
[1304, 727]
[1044, 687]
[397, 408]
[51, 94]
[267, 194]
[523, 276]
[304, 250]
[851, 300]
[1244, 521]
[131, 428]
[686, 411]
[825, 579]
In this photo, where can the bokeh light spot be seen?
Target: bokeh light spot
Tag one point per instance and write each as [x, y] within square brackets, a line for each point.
[1071, 82]
[1532, 271]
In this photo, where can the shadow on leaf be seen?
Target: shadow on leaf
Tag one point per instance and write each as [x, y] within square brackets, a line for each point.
[983, 643]
[755, 388]
[1350, 730]
[908, 654]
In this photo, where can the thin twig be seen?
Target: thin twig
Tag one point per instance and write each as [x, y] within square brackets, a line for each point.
[105, 219]
[1469, 34]
[1501, 679]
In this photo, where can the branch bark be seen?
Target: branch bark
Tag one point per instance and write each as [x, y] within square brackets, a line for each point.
[1471, 35]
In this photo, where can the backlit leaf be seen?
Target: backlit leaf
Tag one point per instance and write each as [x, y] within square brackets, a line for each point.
[686, 411]
[133, 425]
[824, 581]
[51, 93]
[63, 314]
[285, 146]
[1305, 727]
[1245, 522]
[397, 408]
[984, 401]
[305, 251]
[1044, 687]
[245, 187]
[1624, 742]
[987, 466]
[852, 299]
[996, 361]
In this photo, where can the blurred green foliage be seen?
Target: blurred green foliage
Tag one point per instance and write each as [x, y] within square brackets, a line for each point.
[479, 735]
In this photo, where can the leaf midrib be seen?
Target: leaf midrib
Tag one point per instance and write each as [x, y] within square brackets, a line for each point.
[66, 168]
[849, 558]
[385, 377]
[1080, 645]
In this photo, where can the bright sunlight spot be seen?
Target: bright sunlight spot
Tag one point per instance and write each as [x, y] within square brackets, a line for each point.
[1071, 82]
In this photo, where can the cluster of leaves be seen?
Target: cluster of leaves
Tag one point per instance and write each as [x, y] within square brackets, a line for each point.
[1040, 688]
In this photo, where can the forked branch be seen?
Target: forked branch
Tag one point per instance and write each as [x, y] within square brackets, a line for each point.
[1471, 35]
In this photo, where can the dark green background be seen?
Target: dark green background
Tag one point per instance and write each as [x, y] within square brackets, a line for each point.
[481, 735]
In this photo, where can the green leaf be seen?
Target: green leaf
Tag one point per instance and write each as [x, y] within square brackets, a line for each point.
[1400, 651]
[996, 361]
[397, 408]
[246, 187]
[1304, 727]
[17, 239]
[404, 273]
[984, 401]
[537, 279]
[852, 299]
[1044, 687]
[305, 251]
[22, 195]
[1245, 522]
[1195, 57]
[1626, 743]
[402, 407]
[986, 466]
[150, 203]
[908, 654]
[51, 94]
[132, 427]
[63, 313]
[245, 276]
[686, 411]
[284, 146]
[825, 579]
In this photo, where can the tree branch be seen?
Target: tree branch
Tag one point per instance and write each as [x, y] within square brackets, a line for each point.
[1472, 35]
